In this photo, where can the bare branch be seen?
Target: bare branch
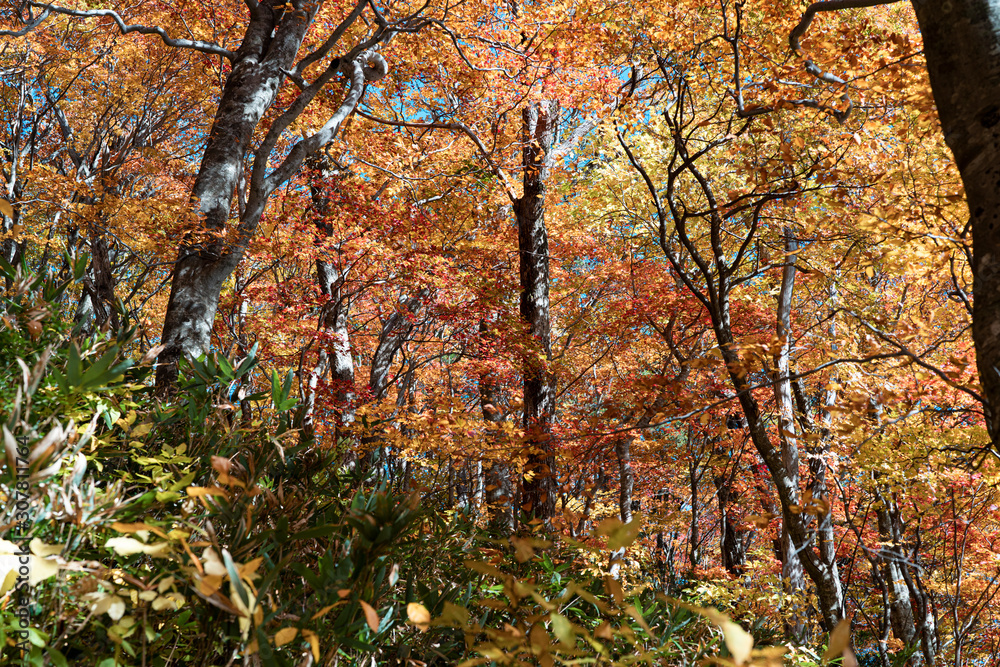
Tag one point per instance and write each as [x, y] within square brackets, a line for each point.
[332, 40]
[577, 135]
[28, 26]
[456, 126]
[124, 28]
[360, 68]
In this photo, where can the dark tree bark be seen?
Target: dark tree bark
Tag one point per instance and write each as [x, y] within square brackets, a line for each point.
[96, 307]
[733, 541]
[396, 330]
[694, 479]
[962, 46]
[538, 487]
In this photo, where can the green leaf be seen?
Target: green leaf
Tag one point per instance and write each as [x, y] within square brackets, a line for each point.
[234, 577]
[563, 629]
[73, 367]
[57, 658]
[310, 533]
[37, 637]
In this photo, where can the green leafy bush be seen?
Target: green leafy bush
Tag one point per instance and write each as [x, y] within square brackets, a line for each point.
[203, 530]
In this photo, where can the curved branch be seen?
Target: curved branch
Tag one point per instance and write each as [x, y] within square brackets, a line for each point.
[799, 30]
[332, 40]
[827, 6]
[124, 28]
[456, 126]
[28, 26]
[367, 63]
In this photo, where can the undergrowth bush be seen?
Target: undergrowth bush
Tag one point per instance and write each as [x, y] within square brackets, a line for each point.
[203, 530]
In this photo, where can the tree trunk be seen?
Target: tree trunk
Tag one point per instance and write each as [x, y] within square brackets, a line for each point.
[96, 307]
[626, 484]
[396, 330]
[792, 574]
[210, 253]
[205, 262]
[538, 485]
[334, 355]
[962, 47]
[733, 542]
[499, 492]
[900, 608]
[694, 553]
[626, 478]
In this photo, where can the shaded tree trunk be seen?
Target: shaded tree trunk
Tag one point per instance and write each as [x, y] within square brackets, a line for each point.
[209, 255]
[96, 307]
[204, 264]
[962, 47]
[733, 542]
[538, 485]
[694, 477]
[396, 330]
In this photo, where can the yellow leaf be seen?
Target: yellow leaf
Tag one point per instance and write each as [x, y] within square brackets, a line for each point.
[111, 604]
[248, 571]
[198, 491]
[42, 549]
[141, 430]
[634, 613]
[171, 601]
[370, 616]
[6, 208]
[738, 641]
[619, 534]
[313, 642]
[839, 639]
[42, 569]
[127, 546]
[209, 584]
[285, 635]
[418, 615]
[8, 581]
[322, 612]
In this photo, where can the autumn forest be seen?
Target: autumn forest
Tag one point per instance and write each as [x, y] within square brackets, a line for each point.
[452, 332]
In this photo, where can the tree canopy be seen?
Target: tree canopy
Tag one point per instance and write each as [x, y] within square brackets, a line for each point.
[432, 333]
